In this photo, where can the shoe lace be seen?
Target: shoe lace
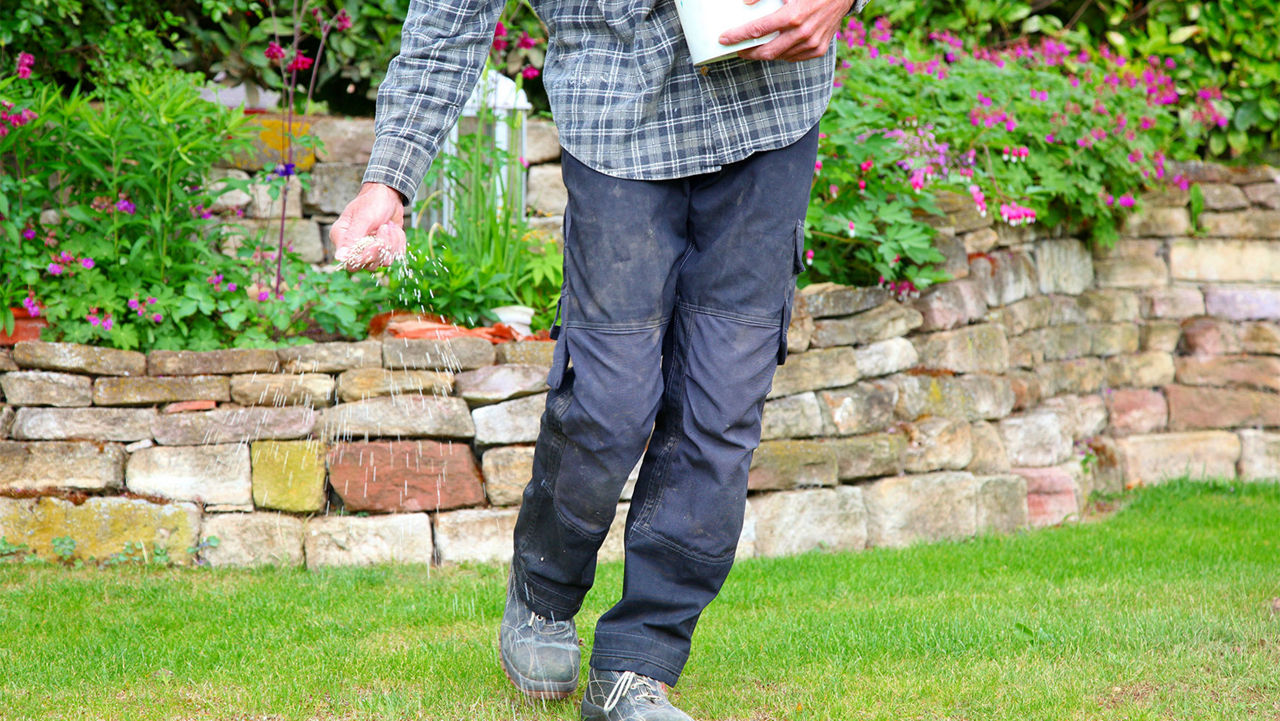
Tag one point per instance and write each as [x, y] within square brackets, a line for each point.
[625, 683]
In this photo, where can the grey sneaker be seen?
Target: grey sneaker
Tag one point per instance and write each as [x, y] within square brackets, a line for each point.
[627, 696]
[541, 657]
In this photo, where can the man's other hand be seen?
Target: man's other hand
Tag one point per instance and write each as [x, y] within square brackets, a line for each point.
[378, 211]
[804, 27]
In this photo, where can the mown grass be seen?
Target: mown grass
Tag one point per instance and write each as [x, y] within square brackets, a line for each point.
[1167, 609]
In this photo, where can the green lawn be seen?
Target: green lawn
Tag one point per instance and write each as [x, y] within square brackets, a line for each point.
[1167, 609]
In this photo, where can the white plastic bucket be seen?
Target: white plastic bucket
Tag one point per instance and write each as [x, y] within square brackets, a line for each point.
[704, 21]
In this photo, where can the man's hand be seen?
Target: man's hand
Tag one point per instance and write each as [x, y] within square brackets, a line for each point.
[378, 211]
[805, 30]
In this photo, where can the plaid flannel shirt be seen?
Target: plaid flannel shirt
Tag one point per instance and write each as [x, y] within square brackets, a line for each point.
[624, 92]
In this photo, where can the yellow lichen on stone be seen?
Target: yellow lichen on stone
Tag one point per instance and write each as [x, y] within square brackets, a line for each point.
[288, 475]
[100, 526]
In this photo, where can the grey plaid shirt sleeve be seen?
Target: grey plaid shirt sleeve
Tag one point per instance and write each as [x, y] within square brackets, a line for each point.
[442, 50]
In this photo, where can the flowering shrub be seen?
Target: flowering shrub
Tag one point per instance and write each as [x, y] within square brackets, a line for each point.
[1028, 133]
[108, 229]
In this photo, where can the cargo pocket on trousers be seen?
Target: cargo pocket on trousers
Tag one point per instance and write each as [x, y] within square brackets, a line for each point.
[797, 267]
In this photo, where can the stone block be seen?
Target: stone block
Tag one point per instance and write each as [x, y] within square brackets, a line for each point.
[1225, 261]
[1108, 305]
[972, 397]
[1037, 438]
[1024, 315]
[979, 241]
[1174, 302]
[214, 362]
[147, 391]
[267, 198]
[1137, 411]
[515, 421]
[406, 416]
[79, 465]
[815, 370]
[44, 388]
[1234, 371]
[1140, 370]
[98, 424]
[541, 142]
[1243, 303]
[800, 329]
[301, 236]
[908, 509]
[989, 455]
[1109, 339]
[1082, 415]
[1004, 276]
[828, 300]
[1167, 197]
[405, 476]
[1151, 459]
[75, 358]
[526, 352]
[332, 186]
[1160, 335]
[974, 349]
[288, 475]
[229, 200]
[1241, 224]
[1027, 390]
[1002, 503]
[253, 539]
[890, 320]
[343, 139]
[938, 444]
[1158, 222]
[950, 305]
[368, 540]
[884, 358]
[101, 526]
[450, 354]
[507, 470]
[1052, 496]
[1131, 264]
[314, 390]
[783, 465]
[1192, 407]
[476, 535]
[493, 384]
[363, 383]
[233, 425]
[1266, 195]
[797, 416]
[1079, 375]
[792, 522]
[857, 409]
[546, 190]
[1212, 336]
[1223, 196]
[6, 421]
[1259, 456]
[869, 456]
[330, 357]
[6, 361]
[218, 474]
[1063, 266]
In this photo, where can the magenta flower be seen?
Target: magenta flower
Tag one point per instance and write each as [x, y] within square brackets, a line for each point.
[157, 317]
[300, 62]
[106, 324]
[133, 304]
[231, 287]
[342, 21]
[32, 306]
[86, 263]
[529, 72]
[29, 233]
[125, 206]
[263, 296]
[55, 269]
[1125, 201]
[274, 51]
[525, 42]
[151, 300]
[94, 320]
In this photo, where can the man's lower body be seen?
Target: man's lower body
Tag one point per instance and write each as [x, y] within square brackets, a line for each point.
[674, 313]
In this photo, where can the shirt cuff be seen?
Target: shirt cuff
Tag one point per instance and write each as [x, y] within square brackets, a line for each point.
[398, 163]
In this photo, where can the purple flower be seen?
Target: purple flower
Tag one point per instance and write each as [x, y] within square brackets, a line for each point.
[231, 287]
[29, 233]
[284, 171]
[263, 296]
[151, 300]
[106, 324]
[125, 206]
[133, 304]
[157, 317]
[87, 263]
[55, 269]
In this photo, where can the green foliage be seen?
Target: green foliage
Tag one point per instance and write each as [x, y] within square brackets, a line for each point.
[1044, 133]
[107, 230]
[488, 257]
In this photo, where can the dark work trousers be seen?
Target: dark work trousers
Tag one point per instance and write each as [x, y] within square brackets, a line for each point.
[673, 319]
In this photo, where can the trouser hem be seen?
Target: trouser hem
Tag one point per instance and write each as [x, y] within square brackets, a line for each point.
[639, 662]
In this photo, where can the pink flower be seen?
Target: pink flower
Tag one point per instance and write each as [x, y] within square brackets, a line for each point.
[94, 320]
[29, 233]
[151, 300]
[274, 51]
[342, 21]
[529, 72]
[300, 62]
[55, 269]
[87, 263]
[133, 304]
[525, 42]
[231, 287]
[157, 317]
[24, 72]
[263, 296]
[106, 324]
[817, 167]
[125, 206]
[1125, 201]
[32, 305]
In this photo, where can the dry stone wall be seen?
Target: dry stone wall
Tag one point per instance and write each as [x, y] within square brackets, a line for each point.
[995, 402]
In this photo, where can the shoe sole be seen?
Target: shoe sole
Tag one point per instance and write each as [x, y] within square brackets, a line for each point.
[592, 712]
[538, 690]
